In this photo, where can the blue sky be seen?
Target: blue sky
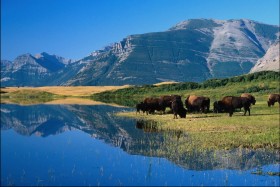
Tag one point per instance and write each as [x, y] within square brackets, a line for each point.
[75, 28]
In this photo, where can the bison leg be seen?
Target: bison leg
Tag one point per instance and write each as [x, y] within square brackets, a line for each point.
[163, 109]
[245, 111]
[204, 109]
[268, 103]
[247, 108]
[230, 112]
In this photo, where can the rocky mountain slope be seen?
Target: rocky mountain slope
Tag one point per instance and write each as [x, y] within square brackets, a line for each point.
[193, 50]
[270, 61]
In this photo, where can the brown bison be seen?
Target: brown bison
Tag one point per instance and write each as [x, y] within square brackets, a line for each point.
[178, 109]
[166, 100]
[152, 104]
[197, 103]
[272, 98]
[230, 103]
[250, 97]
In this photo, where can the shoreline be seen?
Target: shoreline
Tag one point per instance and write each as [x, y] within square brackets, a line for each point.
[218, 131]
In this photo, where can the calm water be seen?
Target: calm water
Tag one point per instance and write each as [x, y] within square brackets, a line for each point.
[88, 145]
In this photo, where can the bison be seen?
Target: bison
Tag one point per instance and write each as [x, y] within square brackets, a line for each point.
[197, 103]
[250, 97]
[272, 98]
[141, 107]
[230, 103]
[217, 107]
[166, 100]
[178, 109]
[152, 104]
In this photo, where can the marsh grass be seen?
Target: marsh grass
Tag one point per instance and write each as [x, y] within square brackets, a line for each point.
[53, 94]
[25, 96]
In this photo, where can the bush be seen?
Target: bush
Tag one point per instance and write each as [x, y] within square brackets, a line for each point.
[255, 89]
[140, 91]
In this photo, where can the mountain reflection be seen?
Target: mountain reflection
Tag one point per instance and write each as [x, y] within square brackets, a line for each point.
[134, 137]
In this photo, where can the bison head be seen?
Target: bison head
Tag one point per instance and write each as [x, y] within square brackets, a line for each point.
[140, 106]
[182, 113]
[269, 103]
[253, 100]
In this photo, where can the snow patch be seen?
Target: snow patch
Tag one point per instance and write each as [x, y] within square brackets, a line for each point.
[5, 110]
[270, 61]
[130, 77]
[4, 79]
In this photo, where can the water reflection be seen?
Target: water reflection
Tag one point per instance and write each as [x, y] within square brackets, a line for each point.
[134, 137]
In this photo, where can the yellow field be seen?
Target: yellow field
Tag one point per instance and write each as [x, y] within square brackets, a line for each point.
[73, 90]
[67, 90]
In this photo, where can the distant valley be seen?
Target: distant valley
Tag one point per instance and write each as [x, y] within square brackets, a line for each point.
[193, 50]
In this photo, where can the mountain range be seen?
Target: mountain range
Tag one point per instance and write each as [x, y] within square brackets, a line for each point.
[192, 50]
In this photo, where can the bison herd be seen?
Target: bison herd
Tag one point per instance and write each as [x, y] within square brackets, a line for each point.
[195, 103]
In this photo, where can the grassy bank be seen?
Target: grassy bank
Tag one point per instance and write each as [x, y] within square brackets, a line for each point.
[257, 83]
[213, 131]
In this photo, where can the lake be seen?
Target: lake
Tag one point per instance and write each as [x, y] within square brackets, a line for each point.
[85, 145]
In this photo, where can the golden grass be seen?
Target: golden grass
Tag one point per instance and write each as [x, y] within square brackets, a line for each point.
[167, 82]
[67, 90]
